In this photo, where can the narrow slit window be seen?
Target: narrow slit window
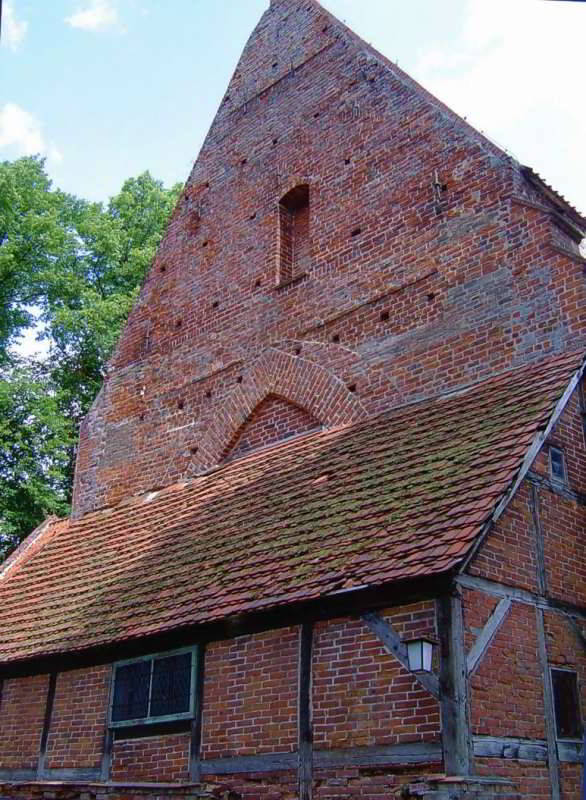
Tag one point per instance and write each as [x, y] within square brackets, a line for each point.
[293, 244]
[566, 703]
[557, 466]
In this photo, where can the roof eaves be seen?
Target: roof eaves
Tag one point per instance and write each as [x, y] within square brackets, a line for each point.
[578, 219]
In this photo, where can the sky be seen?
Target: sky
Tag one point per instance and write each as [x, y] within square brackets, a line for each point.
[108, 88]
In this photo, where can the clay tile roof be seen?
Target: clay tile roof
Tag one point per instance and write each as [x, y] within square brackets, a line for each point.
[405, 494]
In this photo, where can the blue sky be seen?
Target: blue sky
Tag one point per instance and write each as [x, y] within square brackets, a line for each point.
[109, 88]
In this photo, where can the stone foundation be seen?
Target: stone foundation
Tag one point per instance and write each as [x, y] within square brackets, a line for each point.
[460, 788]
[50, 790]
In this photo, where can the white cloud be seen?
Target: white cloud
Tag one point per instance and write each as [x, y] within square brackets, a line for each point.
[13, 30]
[99, 15]
[22, 132]
[496, 74]
[20, 129]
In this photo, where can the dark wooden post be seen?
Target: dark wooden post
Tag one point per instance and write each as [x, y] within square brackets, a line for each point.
[304, 721]
[196, 724]
[549, 712]
[456, 738]
[46, 724]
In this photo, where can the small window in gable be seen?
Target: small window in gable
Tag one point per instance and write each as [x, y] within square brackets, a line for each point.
[566, 702]
[153, 689]
[557, 466]
[293, 244]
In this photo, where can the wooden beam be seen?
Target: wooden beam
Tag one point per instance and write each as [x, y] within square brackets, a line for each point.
[509, 747]
[521, 595]
[525, 749]
[538, 441]
[196, 723]
[392, 643]
[372, 756]
[539, 546]
[46, 724]
[456, 739]
[7, 774]
[304, 717]
[338, 604]
[487, 634]
[552, 754]
[107, 755]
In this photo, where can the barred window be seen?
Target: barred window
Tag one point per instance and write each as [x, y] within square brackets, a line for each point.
[153, 689]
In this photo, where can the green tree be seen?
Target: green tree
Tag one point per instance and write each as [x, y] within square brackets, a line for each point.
[32, 230]
[80, 266]
[36, 440]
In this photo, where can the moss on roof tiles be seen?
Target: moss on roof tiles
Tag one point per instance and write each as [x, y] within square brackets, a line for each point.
[407, 495]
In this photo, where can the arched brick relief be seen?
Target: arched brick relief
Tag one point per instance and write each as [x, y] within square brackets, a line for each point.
[301, 382]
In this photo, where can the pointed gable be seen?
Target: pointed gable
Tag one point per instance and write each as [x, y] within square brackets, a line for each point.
[339, 216]
[272, 421]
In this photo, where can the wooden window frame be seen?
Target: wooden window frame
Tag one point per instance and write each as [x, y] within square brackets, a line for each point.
[150, 720]
[552, 475]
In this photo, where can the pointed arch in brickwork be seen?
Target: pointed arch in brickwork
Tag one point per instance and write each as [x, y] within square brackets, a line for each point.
[294, 379]
[274, 420]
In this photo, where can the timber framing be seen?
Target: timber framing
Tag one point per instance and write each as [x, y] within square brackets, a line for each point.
[393, 645]
[456, 739]
[485, 637]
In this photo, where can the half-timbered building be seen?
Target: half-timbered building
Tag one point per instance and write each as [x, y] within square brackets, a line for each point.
[327, 537]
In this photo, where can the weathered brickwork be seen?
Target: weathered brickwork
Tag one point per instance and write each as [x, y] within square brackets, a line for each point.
[565, 650]
[411, 288]
[361, 694]
[506, 690]
[272, 421]
[568, 435]
[22, 711]
[508, 555]
[531, 779]
[152, 759]
[477, 608]
[344, 244]
[564, 523]
[78, 719]
[262, 785]
[250, 699]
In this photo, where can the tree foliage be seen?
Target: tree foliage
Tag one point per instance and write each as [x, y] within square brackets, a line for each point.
[77, 267]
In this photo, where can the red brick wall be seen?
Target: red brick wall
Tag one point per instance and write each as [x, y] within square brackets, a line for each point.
[153, 759]
[361, 694]
[531, 778]
[78, 721]
[506, 691]
[404, 296]
[22, 712]
[250, 696]
[508, 555]
[564, 649]
[563, 523]
[271, 421]
[568, 435]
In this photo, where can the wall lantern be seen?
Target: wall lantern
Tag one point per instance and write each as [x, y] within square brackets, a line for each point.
[419, 653]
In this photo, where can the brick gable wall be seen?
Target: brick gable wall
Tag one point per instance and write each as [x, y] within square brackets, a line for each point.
[407, 293]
